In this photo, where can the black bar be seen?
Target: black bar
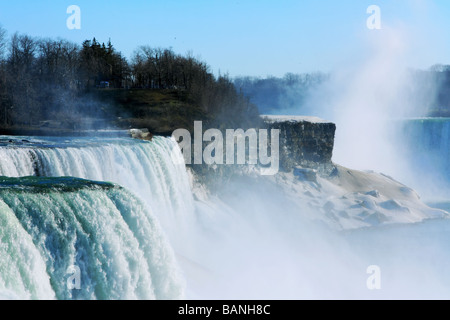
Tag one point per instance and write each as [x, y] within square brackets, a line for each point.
[229, 309]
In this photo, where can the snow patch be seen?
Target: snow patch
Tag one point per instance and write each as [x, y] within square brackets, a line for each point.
[277, 118]
[353, 199]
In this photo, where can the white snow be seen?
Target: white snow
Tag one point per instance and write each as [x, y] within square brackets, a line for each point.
[278, 118]
[354, 199]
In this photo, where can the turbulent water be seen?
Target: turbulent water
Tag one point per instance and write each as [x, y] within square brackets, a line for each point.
[120, 215]
[49, 225]
[154, 171]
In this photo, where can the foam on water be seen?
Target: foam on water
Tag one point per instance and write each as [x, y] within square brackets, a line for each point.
[50, 225]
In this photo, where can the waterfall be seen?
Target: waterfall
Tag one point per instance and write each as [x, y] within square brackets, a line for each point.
[120, 214]
[154, 170]
[429, 134]
[426, 144]
[49, 225]
[113, 234]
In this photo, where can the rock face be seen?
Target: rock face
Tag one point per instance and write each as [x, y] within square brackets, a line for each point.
[304, 141]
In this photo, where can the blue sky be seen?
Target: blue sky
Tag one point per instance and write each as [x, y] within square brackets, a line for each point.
[252, 37]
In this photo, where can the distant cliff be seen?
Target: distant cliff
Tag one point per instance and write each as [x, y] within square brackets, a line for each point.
[304, 141]
[305, 148]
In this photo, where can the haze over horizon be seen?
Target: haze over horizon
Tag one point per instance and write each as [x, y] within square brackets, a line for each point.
[254, 38]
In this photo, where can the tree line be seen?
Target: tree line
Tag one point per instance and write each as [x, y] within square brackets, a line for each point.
[426, 92]
[440, 75]
[280, 94]
[44, 79]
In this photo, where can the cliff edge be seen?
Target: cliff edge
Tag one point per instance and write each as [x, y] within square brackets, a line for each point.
[310, 184]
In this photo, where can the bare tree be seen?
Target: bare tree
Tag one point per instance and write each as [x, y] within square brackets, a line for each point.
[3, 42]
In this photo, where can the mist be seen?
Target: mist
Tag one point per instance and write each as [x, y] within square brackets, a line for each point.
[254, 242]
[284, 252]
[370, 101]
[362, 99]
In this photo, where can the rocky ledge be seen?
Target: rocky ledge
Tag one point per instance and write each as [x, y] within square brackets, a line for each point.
[310, 183]
[305, 142]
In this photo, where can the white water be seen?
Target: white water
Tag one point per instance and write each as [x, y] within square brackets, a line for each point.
[252, 244]
[118, 246]
[22, 268]
[153, 171]
[138, 262]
